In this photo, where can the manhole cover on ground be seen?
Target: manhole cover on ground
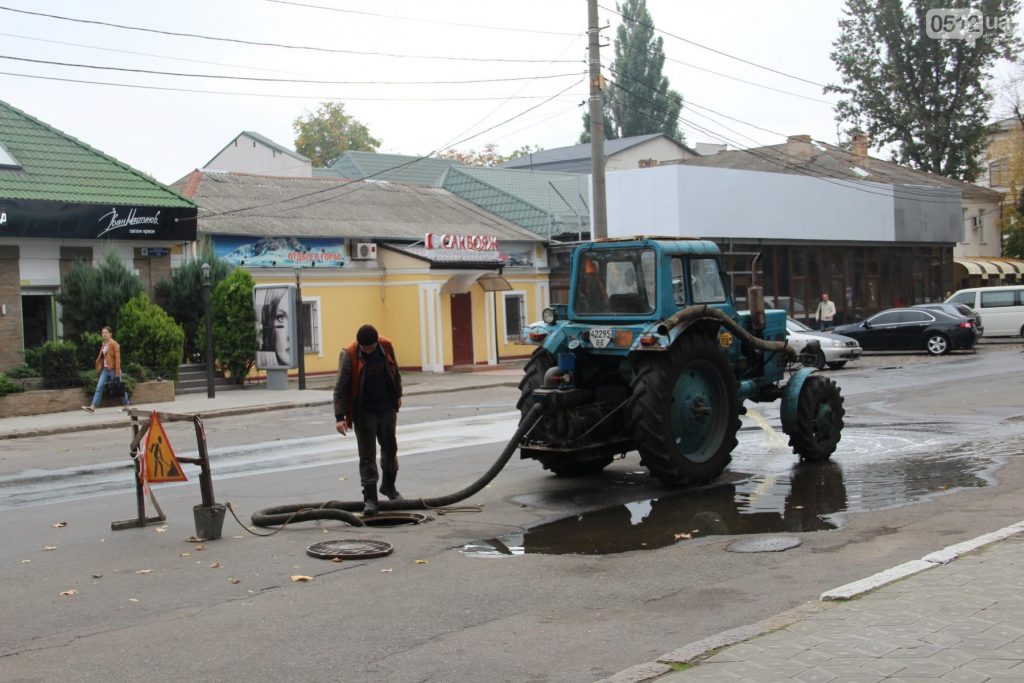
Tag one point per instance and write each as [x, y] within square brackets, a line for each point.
[395, 519]
[349, 548]
[763, 545]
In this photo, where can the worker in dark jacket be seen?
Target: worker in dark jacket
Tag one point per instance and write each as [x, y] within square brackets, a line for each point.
[367, 396]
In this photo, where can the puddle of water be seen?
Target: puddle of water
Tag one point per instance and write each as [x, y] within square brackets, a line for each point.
[870, 471]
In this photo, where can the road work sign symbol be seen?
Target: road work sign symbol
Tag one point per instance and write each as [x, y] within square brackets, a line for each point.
[160, 464]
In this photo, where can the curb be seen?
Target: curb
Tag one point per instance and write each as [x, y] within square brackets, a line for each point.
[696, 651]
[241, 410]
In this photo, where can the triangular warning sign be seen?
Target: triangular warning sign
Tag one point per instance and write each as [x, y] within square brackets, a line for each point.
[160, 464]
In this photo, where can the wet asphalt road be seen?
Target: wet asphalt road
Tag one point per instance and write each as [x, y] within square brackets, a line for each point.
[599, 574]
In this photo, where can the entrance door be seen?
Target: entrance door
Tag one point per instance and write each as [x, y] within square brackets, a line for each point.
[38, 318]
[462, 329]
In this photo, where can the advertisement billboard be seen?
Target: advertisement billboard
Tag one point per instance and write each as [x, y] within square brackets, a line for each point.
[277, 321]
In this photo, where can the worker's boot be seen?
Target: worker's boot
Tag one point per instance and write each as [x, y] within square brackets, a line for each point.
[369, 500]
[387, 488]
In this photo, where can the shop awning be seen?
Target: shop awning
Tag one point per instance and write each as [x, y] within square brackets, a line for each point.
[999, 266]
[970, 266]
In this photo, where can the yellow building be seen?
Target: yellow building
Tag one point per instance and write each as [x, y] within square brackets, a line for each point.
[449, 284]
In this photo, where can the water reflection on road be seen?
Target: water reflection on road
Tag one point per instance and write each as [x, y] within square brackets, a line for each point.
[874, 468]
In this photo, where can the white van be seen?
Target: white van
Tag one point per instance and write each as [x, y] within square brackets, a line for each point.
[1001, 308]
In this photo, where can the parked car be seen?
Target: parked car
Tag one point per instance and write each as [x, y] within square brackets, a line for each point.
[1003, 307]
[958, 310]
[912, 329]
[836, 350]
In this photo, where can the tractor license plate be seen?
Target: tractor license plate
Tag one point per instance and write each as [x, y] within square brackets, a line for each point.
[600, 337]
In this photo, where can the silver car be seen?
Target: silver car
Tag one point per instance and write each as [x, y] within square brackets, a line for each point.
[835, 351]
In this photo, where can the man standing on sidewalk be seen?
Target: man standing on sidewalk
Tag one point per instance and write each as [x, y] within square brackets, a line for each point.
[825, 313]
[367, 395]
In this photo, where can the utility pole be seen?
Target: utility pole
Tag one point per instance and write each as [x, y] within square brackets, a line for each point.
[599, 225]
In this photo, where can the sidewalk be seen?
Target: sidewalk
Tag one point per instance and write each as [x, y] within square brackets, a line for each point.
[319, 391]
[954, 615]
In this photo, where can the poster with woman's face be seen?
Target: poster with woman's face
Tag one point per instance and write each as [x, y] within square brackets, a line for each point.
[278, 325]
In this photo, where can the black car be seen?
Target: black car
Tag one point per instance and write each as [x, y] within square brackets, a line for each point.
[958, 310]
[912, 329]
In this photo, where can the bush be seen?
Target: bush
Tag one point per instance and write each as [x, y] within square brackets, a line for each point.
[89, 344]
[150, 337]
[22, 372]
[137, 371]
[9, 387]
[60, 365]
[182, 298]
[234, 325]
[93, 296]
[34, 358]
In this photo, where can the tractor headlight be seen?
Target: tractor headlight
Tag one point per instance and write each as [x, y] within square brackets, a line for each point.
[549, 316]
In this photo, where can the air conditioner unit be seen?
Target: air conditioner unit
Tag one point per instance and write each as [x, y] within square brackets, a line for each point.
[364, 251]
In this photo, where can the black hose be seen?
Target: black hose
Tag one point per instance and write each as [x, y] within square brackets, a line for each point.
[709, 312]
[342, 510]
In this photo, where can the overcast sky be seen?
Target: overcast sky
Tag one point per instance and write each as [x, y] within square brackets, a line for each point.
[168, 132]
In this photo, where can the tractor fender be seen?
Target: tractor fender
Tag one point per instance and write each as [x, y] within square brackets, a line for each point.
[791, 396]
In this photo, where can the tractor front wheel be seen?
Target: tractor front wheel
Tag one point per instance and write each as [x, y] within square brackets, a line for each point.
[685, 411]
[816, 431]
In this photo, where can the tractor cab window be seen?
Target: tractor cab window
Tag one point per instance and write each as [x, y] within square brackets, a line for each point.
[678, 282]
[706, 281]
[615, 281]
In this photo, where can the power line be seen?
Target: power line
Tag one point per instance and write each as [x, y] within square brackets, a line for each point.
[257, 43]
[803, 164]
[268, 95]
[141, 54]
[427, 21]
[387, 170]
[838, 181]
[759, 85]
[711, 49]
[263, 79]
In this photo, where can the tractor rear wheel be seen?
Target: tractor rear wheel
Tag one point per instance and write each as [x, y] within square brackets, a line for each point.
[818, 426]
[685, 411]
[533, 376]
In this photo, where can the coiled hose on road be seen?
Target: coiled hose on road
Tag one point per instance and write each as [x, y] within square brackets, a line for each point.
[343, 510]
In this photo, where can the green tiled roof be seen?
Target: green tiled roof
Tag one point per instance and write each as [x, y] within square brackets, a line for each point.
[397, 168]
[57, 167]
[545, 203]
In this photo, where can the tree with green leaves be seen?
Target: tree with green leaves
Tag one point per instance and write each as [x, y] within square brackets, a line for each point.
[928, 97]
[92, 297]
[234, 325]
[324, 134]
[639, 101]
[179, 296]
[488, 156]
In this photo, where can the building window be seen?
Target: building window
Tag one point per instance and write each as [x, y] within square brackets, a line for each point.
[963, 225]
[515, 316]
[309, 322]
[999, 173]
[980, 222]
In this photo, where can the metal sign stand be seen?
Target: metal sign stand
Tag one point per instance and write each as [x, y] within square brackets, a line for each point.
[136, 454]
[209, 516]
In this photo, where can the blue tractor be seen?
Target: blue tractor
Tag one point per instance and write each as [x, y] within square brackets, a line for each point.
[651, 355]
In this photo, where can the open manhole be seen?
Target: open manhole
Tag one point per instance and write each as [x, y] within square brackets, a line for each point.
[349, 549]
[395, 519]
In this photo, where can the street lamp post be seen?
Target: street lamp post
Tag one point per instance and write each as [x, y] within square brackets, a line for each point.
[302, 339]
[210, 391]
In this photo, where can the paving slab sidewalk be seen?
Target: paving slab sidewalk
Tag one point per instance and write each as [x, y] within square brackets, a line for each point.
[318, 392]
[955, 615]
